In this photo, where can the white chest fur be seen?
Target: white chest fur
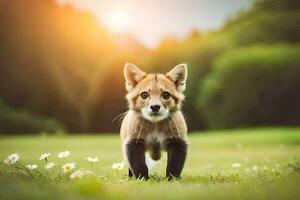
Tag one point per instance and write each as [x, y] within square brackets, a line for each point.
[155, 137]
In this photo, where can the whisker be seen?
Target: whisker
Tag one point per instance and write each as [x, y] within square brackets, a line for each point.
[119, 116]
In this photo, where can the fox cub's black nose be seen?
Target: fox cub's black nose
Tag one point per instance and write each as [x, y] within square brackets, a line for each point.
[155, 108]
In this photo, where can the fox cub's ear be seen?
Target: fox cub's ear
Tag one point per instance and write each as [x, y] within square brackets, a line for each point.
[178, 76]
[132, 75]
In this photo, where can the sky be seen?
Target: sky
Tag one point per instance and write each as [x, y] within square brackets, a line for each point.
[151, 20]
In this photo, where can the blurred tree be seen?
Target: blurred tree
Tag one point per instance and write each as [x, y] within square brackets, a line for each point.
[253, 86]
[49, 58]
[265, 22]
[59, 62]
[21, 121]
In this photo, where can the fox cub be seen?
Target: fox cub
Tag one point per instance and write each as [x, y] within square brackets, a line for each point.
[154, 121]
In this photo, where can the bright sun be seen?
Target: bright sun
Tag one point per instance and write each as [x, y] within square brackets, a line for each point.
[117, 21]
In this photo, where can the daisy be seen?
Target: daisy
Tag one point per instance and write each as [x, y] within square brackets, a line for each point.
[77, 174]
[12, 159]
[44, 156]
[31, 166]
[87, 172]
[236, 165]
[91, 159]
[68, 167]
[64, 154]
[49, 165]
[118, 166]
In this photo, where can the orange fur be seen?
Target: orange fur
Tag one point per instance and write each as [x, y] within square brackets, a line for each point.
[135, 125]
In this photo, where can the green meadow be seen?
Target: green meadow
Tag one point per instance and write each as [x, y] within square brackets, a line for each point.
[259, 163]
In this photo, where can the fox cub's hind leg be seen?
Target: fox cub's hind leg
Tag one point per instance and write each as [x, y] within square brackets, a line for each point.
[177, 151]
[135, 151]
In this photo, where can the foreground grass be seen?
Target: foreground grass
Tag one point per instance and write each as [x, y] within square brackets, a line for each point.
[269, 158]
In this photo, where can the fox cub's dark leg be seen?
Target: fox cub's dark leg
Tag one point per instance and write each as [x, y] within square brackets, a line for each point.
[130, 173]
[177, 151]
[135, 150]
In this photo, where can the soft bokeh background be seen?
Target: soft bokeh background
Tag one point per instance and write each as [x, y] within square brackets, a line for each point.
[61, 61]
[61, 71]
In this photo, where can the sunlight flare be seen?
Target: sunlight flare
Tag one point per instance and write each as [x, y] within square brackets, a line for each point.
[117, 21]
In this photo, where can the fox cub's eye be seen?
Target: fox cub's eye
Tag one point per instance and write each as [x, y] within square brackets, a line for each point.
[144, 95]
[166, 95]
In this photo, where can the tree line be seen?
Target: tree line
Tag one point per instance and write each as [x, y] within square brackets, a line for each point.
[61, 70]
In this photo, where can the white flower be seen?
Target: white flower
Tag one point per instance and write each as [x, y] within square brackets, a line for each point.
[236, 165]
[44, 156]
[254, 168]
[68, 167]
[91, 159]
[31, 166]
[12, 159]
[49, 165]
[118, 166]
[64, 154]
[77, 174]
[87, 172]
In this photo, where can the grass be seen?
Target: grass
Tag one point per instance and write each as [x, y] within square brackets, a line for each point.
[208, 172]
